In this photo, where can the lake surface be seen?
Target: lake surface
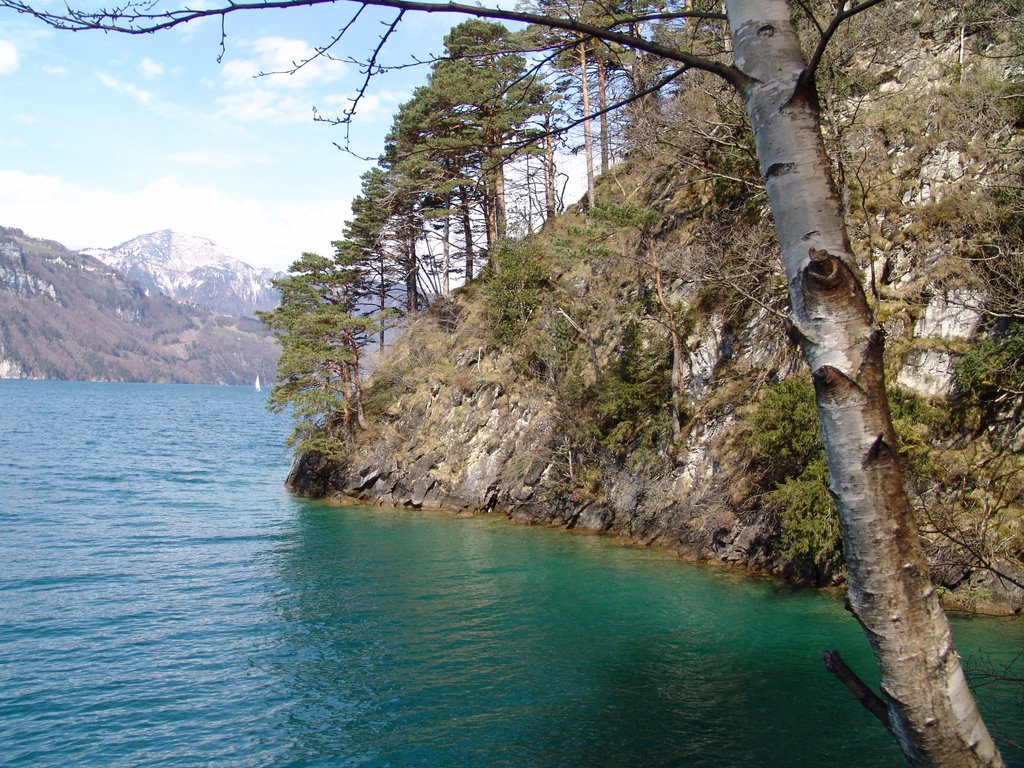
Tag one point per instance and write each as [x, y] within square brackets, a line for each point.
[164, 602]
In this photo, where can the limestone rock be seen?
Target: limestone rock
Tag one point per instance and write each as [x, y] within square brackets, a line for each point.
[955, 314]
[928, 373]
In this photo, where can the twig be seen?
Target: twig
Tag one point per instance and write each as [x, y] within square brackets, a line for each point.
[872, 701]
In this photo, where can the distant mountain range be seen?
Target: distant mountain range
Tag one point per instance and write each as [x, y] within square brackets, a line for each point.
[194, 270]
[67, 315]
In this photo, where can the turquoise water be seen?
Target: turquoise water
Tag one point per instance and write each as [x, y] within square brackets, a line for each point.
[164, 602]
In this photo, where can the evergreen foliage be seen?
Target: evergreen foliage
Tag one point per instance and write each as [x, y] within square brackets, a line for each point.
[786, 443]
[322, 336]
[990, 376]
[631, 401]
[443, 170]
[366, 248]
[514, 289]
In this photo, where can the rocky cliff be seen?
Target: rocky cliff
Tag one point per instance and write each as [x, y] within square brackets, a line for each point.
[635, 386]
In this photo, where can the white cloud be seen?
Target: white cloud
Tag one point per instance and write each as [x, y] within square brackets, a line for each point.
[373, 105]
[288, 89]
[238, 73]
[268, 106]
[26, 188]
[214, 158]
[81, 216]
[8, 57]
[143, 96]
[149, 68]
[295, 61]
[56, 70]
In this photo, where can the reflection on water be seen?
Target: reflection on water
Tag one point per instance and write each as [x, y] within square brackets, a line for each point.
[426, 640]
[164, 602]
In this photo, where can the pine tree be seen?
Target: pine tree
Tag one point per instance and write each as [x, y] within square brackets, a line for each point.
[322, 336]
[484, 83]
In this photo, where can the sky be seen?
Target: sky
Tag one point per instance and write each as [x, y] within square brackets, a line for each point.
[104, 137]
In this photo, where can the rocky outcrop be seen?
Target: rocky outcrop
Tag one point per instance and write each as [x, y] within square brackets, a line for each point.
[483, 436]
[953, 315]
[496, 449]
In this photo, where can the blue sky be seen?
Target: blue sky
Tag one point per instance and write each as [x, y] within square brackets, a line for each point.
[104, 137]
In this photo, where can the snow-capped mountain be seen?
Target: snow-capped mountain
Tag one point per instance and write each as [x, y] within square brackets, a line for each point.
[192, 269]
[66, 315]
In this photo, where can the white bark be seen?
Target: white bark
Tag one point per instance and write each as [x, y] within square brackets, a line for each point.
[932, 712]
[602, 105]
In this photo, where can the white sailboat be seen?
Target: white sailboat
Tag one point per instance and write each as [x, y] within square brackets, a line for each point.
[257, 386]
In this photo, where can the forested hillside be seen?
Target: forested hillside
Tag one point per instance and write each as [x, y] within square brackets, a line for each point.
[66, 315]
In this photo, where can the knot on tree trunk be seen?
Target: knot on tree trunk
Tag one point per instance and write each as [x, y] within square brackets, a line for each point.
[833, 387]
[824, 273]
[871, 372]
[831, 287]
[794, 335]
[881, 453]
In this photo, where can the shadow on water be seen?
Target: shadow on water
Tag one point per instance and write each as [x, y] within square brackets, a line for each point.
[410, 639]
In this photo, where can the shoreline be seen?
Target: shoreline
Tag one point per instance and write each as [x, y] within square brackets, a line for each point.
[989, 609]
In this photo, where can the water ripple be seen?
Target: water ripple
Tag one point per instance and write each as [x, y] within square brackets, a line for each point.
[163, 602]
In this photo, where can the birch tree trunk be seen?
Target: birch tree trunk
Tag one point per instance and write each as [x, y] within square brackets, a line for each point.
[446, 250]
[932, 712]
[602, 105]
[500, 216]
[467, 230]
[412, 299]
[487, 203]
[382, 294]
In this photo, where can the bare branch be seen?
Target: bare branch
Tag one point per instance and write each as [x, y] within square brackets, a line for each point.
[139, 18]
[369, 70]
[319, 52]
[874, 704]
[842, 14]
[562, 129]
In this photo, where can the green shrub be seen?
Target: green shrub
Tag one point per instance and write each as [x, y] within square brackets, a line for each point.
[786, 442]
[786, 436]
[808, 518]
[631, 404]
[514, 289]
[990, 377]
[912, 420]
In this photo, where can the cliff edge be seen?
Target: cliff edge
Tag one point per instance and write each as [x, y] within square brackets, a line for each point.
[625, 371]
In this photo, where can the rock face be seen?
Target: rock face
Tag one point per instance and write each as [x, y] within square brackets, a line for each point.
[194, 270]
[494, 456]
[953, 315]
[489, 448]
